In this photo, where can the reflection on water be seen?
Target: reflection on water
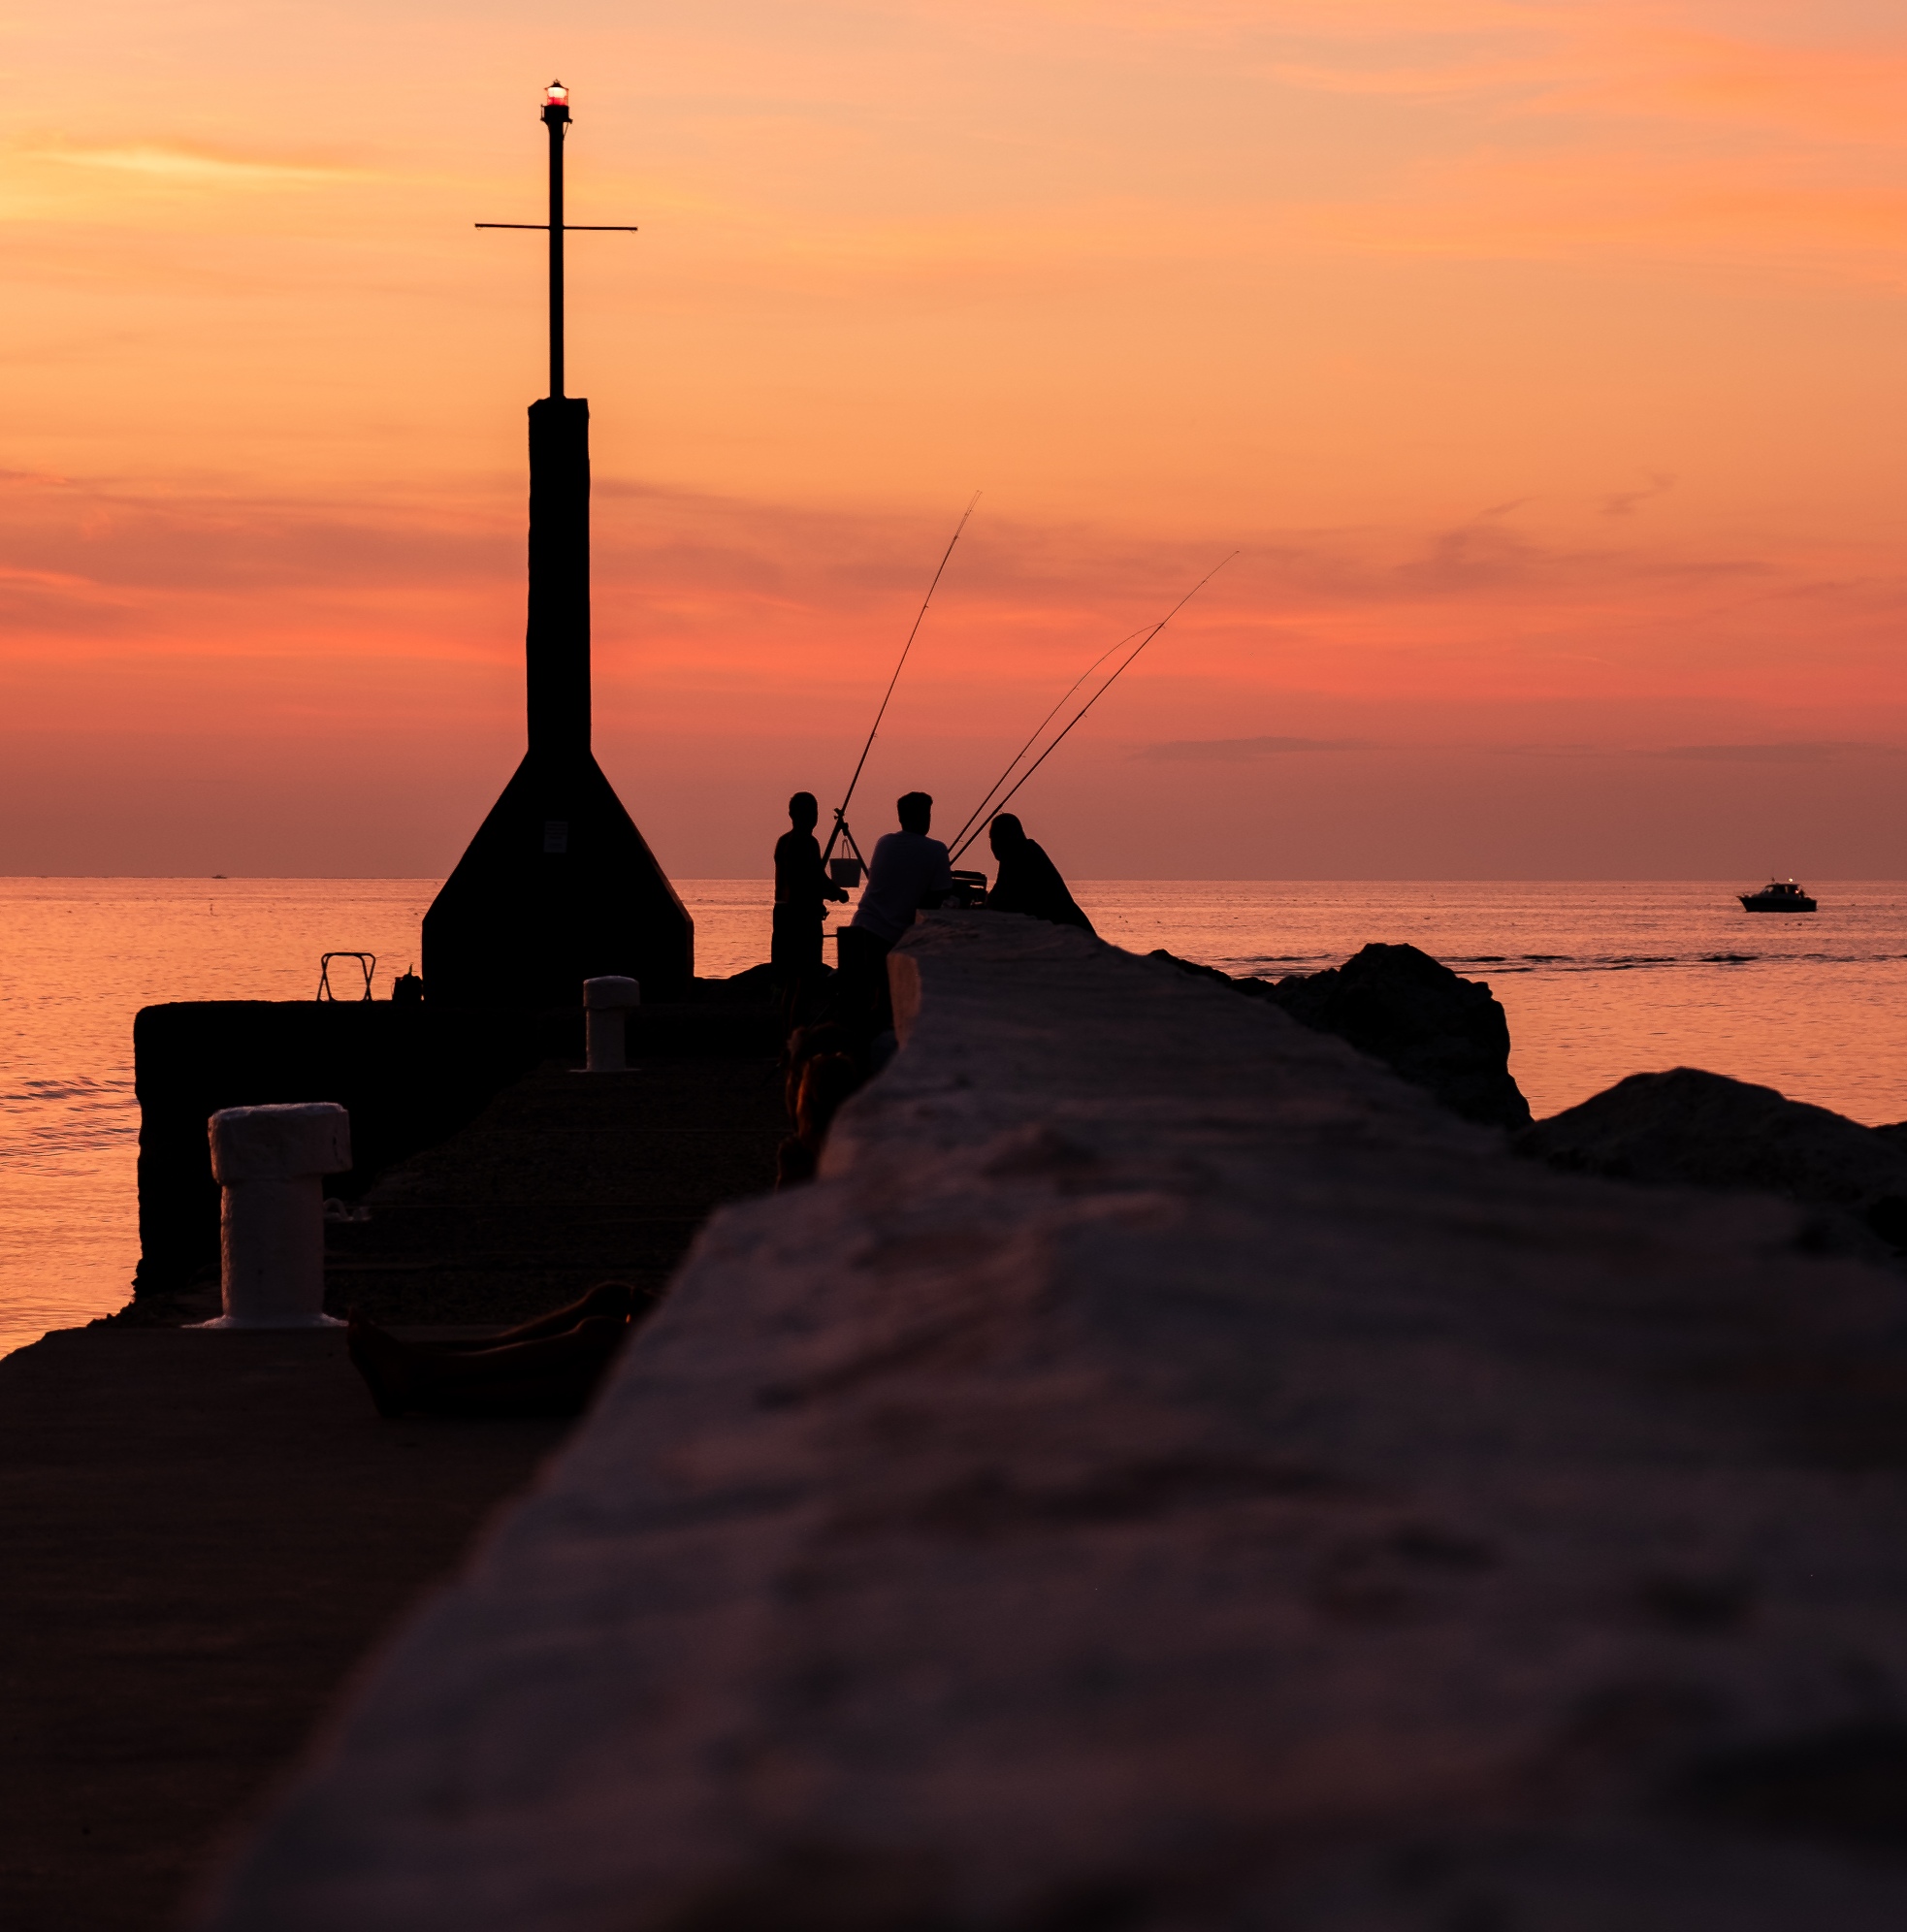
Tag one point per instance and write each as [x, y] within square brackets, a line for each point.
[1599, 981]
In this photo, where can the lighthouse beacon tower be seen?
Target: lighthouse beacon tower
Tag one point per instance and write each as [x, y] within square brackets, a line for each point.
[558, 886]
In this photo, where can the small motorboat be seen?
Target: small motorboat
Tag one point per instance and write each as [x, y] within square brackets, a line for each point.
[1778, 895]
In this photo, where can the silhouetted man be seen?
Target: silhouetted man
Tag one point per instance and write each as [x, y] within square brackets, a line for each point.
[802, 885]
[1028, 882]
[908, 871]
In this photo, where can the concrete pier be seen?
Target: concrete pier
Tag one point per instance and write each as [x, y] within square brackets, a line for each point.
[201, 1535]
[1167, 1473]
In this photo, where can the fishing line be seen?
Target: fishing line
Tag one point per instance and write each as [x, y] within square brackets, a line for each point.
[980, 809]
[1107, 686]
[841, 811]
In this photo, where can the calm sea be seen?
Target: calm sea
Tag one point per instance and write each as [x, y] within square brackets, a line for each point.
[1599, 981]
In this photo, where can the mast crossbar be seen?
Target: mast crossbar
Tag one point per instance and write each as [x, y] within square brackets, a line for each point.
[556, 118]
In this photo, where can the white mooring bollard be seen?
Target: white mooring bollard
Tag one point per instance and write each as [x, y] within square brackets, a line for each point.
[269, 1163]
[606, 1004]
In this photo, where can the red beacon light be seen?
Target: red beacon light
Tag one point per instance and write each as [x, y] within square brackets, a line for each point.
[556, 104]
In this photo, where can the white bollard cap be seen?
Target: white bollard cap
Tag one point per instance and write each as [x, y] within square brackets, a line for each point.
[279, 1143]
[611, 992]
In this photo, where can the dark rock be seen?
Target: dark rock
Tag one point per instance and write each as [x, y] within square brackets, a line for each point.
[1399, 1006]
[1691, 1129]
[1423, 1021]
[1257, 988]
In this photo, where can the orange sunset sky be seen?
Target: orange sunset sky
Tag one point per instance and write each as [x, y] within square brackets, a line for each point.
[1544, 362]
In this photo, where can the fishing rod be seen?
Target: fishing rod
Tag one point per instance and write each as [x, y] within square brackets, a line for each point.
[1105, 688]
[980, 809]
[841, 810]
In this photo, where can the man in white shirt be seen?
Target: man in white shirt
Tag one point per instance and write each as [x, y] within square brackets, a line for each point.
[908, 871]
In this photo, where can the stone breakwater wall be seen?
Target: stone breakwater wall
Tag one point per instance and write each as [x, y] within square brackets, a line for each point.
[1167, 1473]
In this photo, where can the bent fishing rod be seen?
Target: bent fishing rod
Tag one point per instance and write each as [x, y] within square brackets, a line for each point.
[841, 810]
[1124, 665]
[980, 809]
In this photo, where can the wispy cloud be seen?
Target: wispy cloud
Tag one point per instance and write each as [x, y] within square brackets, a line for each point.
[1232, 750]
[1797, 753]
[1623, 502]
[196, 167]
[1238, 750]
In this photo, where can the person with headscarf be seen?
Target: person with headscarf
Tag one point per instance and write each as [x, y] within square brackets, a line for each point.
[1028, 882]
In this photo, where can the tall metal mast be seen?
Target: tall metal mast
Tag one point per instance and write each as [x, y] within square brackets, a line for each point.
[556, 118]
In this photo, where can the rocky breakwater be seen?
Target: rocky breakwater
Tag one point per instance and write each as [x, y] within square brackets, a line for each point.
[1395, 1003]
[1168, 1472]
[1687, 1128]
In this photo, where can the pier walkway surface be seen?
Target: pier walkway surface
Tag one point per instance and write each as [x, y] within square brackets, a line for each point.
[1167, 1476]
[199, 1536]
[202, 1534]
